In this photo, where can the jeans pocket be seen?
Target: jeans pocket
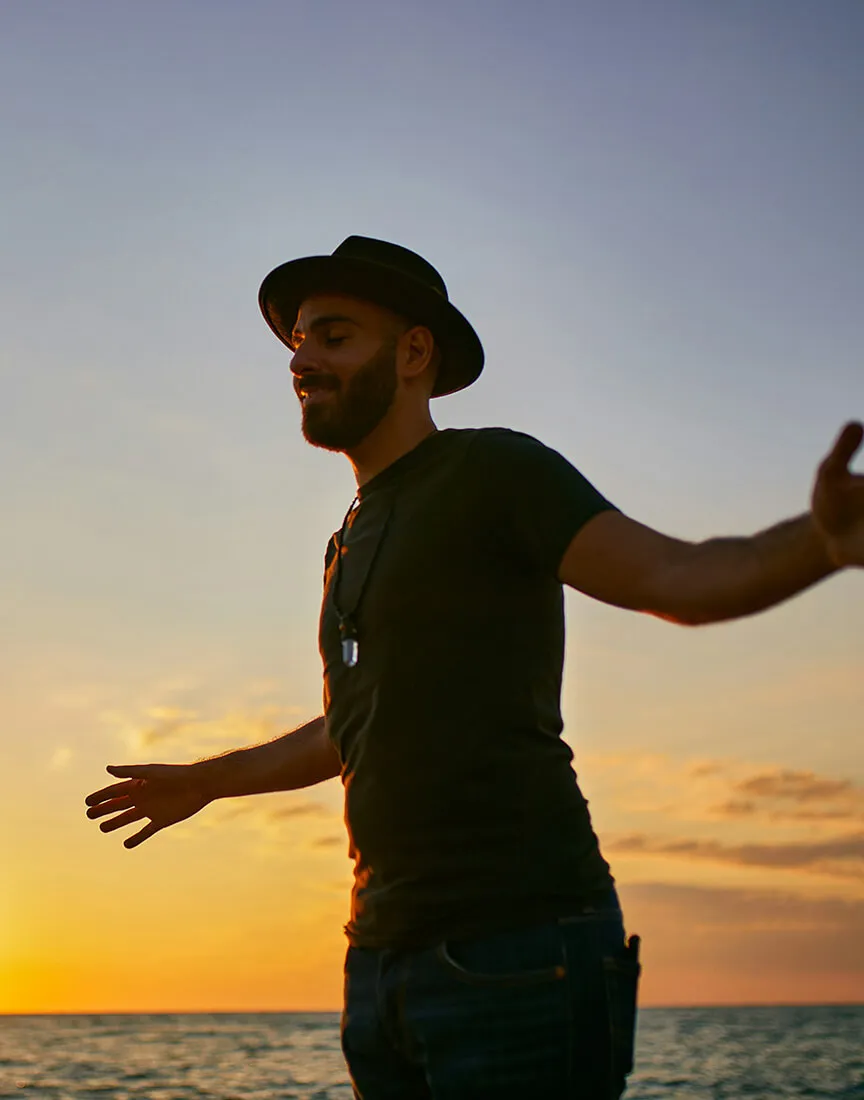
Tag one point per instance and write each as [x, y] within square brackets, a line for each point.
[524, 958]
[621, 973]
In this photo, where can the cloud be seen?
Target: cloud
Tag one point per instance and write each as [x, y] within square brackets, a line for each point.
[652, 785]
[163, 727]
[721, 910]
[168, 723]
[795, 786]
[60, 758]
[783, 795]
[779, 822]
[733, 945]
[736, 807]
[254, 811]
[704, 768]
[278, 822]
[817, 815]
[302, 809]
[842, 857]
[199, 719]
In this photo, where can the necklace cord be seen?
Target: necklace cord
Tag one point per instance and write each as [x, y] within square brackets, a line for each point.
[347, 624]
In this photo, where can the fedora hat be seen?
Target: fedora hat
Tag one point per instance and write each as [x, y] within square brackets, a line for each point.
[388, 275]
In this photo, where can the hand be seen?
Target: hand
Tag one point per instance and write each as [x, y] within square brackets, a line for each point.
[166, 793]
[837, 505]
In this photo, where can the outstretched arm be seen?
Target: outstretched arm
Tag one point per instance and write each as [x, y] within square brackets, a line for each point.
[302, 758]
[624, 563]
[168, 793]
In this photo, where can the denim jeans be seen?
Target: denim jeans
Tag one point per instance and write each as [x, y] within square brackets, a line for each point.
[545, 1012]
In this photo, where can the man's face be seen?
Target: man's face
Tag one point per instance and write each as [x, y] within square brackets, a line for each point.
[344, 369]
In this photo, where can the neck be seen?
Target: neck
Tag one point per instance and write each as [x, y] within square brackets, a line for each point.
[388, 442]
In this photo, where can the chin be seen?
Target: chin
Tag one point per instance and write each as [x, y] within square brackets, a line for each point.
[338, 437]
[317, 437]
[321, 434]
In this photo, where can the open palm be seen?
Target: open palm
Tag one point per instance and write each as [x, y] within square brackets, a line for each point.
[838, 500]
[164, 793]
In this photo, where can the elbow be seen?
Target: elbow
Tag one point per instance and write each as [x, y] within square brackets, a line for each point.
[684, 618]
[683, 614]
[695, 618]
[675, 597]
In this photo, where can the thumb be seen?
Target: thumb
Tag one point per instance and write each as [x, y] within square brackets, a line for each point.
[128, 771]
[845, 446]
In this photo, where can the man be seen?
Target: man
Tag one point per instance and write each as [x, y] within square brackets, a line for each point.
[487, 954]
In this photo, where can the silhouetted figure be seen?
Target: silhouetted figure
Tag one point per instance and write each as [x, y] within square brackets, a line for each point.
[487, 951]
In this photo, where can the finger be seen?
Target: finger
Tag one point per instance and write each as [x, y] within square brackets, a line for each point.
[121, 820]
[127, 787]
[111, 806]
[139, 838]
[129, 771]
[845, 446]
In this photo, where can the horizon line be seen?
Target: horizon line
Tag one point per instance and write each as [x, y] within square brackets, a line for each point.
[337, 1011]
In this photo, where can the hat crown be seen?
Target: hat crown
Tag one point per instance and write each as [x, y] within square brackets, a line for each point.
[395, 257]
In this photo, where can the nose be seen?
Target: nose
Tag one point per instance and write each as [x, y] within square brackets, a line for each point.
[302, 360]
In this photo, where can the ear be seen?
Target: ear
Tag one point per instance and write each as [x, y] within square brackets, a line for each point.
[417, 345]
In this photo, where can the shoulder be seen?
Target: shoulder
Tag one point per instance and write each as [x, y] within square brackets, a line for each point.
[500, 438]
[514, 452]
[536, 499]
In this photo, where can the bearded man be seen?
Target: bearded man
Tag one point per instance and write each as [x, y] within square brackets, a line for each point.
[487, 956]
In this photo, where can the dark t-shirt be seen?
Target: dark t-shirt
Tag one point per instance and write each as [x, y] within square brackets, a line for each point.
[462, 808]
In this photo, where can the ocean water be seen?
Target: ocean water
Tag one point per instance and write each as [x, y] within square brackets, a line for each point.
[682, 1054]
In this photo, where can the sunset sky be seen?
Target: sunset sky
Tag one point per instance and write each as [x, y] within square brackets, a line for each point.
[652, 215]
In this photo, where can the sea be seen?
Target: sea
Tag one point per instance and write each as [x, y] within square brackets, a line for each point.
[682, 1054]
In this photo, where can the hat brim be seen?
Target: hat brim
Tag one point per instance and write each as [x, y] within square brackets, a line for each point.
[287, 286]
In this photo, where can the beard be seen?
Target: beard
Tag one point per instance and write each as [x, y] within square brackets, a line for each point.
[344, 420]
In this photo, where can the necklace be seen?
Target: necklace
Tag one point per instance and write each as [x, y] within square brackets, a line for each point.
[348, 632]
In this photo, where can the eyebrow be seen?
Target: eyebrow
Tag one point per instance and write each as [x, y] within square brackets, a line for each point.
[322, 322]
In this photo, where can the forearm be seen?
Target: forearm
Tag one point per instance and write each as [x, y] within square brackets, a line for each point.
[298, 759]
[728, 578]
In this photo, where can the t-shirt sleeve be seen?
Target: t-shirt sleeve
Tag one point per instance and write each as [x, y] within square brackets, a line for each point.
[533, 498]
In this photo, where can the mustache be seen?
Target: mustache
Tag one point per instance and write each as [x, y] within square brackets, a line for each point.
[309, 382]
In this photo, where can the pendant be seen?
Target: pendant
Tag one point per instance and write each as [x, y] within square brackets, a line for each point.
[350, 644]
